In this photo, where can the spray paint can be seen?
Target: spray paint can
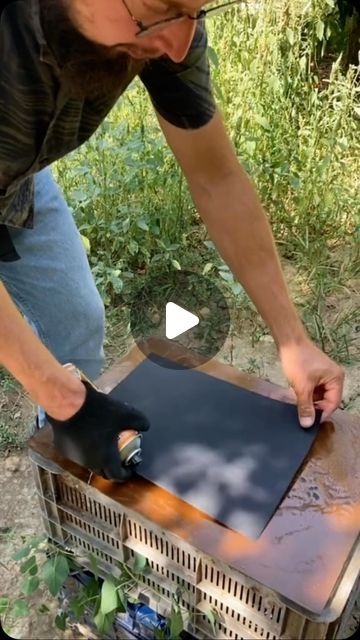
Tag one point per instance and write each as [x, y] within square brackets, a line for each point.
[129, 441]
[146, 622]
[129, 445]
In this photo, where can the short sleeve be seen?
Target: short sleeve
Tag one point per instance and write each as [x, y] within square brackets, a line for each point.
[181, 91]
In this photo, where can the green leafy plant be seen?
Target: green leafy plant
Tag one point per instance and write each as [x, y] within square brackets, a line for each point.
[292, 113]
[44, 564]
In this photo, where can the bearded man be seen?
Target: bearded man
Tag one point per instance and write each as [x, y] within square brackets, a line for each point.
[64, 65]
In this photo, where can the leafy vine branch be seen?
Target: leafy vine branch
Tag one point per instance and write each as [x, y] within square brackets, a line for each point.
[42, 563]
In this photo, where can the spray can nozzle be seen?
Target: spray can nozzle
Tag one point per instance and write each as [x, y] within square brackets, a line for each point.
[129, 445]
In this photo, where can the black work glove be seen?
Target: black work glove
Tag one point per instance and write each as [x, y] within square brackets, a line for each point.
[90, 436]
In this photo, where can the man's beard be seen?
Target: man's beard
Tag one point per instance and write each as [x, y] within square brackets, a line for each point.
[89, 70]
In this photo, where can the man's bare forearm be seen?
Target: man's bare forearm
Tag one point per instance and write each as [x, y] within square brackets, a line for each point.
[28, 360]
[239, 228]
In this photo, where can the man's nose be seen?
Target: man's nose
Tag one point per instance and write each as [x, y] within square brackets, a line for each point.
[176, 39]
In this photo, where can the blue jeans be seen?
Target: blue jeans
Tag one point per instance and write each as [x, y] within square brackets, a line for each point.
[52, 284]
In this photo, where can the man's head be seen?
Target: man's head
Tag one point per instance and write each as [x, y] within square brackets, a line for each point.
[96, 43]
[115, 23]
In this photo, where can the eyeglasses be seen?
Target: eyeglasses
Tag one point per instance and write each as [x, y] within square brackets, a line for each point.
[147, 30]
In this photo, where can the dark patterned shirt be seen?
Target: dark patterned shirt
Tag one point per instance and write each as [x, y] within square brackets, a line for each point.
[40, 122]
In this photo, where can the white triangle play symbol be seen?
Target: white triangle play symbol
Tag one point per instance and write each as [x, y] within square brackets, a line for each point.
[178, 320]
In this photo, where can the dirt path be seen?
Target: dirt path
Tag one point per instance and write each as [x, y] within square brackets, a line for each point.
[20, 517]
[20, 514]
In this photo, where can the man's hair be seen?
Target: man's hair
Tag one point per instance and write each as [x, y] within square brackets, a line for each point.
[89, 69]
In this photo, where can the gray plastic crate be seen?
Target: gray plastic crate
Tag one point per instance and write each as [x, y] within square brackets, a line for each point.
[78, 516]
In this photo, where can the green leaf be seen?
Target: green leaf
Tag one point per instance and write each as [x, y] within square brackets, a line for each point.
[37, 541]
[155, 229]
[250, 146]
[207, 268]
[295, 182]
[86, 243]
[212, 618]
[99, 620]
[21, 553]
[237, 289]
[60, 621]
[227, 276]
[54, 573]
[103, 622]
[176, 623]
[29, 566]
[20, 609]
[320, 29]
[140, 563]
[160, 634]
[123, 601]
[4, 603]
[30, 585]
[264, 122]
[133, 247]
[109, 597]
[274, 83]
[209, 245]
[303, 63]
[142, 224]
[176, 264]
[126, 225]
[79, 196]
[290, 36]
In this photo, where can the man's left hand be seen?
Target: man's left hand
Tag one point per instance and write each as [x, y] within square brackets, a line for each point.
[316, 380]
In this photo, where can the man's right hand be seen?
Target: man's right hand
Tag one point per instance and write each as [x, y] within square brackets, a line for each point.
[86, 422]
[90, 436]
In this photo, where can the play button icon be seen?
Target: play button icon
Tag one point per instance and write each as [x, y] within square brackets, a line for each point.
[182, 307]
[178, 320]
